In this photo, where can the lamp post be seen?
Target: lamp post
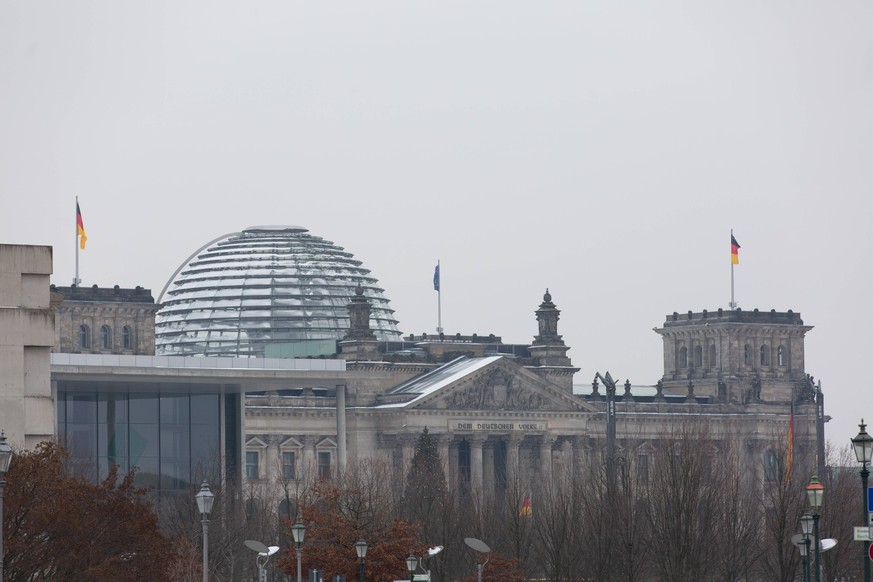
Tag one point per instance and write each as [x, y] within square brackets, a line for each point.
[815, 495]
[863, 444]
[806, 528]
[5, 459]
[361, 550]
[298, 530]
[205, 497]
[411, 565]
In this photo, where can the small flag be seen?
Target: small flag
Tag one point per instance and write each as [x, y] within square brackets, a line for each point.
[436, 278]
[525, 510]
[80, 227]
[789, 454]
[735, 251]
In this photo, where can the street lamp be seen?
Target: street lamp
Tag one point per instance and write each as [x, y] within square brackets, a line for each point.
[806, 528]
[298, 530]
[411, 565]
[863, 444]
[361, 550]
[815, 495]
[205, 497]
[431, 552]
[5, 459]
[264, 554]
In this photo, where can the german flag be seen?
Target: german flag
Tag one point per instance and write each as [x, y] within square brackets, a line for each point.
[525, 510]
[735, 251]
[80, 227]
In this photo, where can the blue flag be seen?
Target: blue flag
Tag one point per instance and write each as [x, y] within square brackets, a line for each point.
[436, 278]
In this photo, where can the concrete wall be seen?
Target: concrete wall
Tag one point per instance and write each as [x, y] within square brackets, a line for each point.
[27, 332]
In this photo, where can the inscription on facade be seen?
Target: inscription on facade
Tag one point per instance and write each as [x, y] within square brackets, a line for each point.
[505, 426]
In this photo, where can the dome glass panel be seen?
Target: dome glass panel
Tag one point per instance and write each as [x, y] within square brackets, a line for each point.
[265, 285]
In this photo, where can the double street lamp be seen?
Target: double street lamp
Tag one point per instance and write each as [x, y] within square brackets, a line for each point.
[361, 550]
[298, 530]
[5, 459]
[815, 496]
[205, 498]
[863, 445]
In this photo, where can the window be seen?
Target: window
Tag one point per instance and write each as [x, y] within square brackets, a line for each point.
[323, 465]
[698, 357]
[771, 466]
[712, 358]
[747, 355]
[252, 461]
[683, 357]
[84, 336]
[780, 356]
[105, 337]
[765, 355]
[289, 465]
[125, 338]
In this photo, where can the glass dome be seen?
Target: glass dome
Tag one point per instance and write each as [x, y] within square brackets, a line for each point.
[266, 285]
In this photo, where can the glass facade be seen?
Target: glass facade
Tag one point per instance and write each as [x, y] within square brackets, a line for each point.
[172, 436]
[265, 286]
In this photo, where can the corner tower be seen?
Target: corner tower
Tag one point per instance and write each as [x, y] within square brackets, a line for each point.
[736, 356]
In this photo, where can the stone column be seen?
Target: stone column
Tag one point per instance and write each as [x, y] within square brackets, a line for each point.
[476, 443]
[488, 484]
[513, 444]
[568, 456]
[546, 443]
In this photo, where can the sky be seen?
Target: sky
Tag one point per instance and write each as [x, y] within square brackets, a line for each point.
[602, 150]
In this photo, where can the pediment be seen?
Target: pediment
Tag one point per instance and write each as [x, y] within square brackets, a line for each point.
[502, 386]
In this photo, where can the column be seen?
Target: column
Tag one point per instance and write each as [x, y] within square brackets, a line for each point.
[453, 463]
[546, 443]
[488, 485]
[569, 457]
[476, 443]
[443, 442]
[513, 444]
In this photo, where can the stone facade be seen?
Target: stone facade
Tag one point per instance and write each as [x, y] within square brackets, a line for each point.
[92, 320]
[27, 324]
[500, 412]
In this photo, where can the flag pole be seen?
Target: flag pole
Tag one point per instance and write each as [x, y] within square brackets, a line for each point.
[733, 303]
[439, 300]
[76, 243]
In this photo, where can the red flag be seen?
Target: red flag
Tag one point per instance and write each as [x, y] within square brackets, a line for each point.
[80, 227]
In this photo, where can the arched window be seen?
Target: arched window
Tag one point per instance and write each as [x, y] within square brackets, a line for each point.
[765, 355]
[105, 337]
[712, 362]
[84, 337]
[683, 357]
[747, 355]
[698, 357]
[780, 356]
[126, 341]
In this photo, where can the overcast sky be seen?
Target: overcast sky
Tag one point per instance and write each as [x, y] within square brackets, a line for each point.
[604, 150]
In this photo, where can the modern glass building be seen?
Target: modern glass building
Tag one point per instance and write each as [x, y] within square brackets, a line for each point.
[265, 286]
[178, 421]
[168, 433]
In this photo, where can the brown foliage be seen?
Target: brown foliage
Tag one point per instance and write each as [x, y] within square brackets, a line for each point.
[64, 528]
[338, 514]
[499, 569]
